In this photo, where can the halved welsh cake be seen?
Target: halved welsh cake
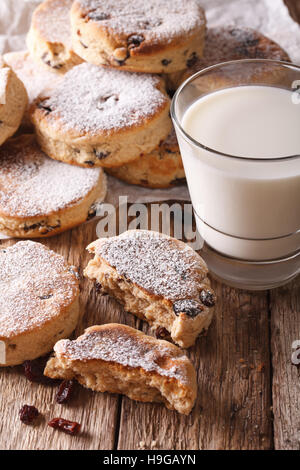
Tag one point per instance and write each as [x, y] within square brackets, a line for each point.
[119, 359]
[156, 277]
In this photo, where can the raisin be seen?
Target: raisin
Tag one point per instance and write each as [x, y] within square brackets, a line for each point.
[93, 15]
[251, 42]
[166, 62]
[45, 297]
[192, 60]
[75, 272]
[101, 155]
[83, 45]
[208, 298]
[135, 40]
[92, 212]
[28, 414]
[162, 333]
[98, 287]
[65, 391]
[49, 63]
[190, 307]
[178, 181]
[89, 162]
[26, 228]
[64, 425]
[57, 66]
[45, 108]
[34, 371]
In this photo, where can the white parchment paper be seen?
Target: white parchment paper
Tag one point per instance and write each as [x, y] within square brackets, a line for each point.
[270, 17]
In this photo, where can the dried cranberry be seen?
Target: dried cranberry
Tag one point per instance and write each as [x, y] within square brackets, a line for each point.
[208, 298]
[64, 425]
[65, 391]
[28, 414]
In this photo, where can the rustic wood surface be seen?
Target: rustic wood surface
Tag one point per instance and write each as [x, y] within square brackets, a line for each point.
[244, 370]
[249, 391]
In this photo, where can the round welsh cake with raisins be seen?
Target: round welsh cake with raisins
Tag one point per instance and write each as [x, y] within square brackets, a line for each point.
[161, 168]
[39, 295]
[49, 38]
[153, 37]
[102, 117]
[41, 197]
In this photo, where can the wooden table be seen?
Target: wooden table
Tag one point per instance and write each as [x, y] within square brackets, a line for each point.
[249, 391]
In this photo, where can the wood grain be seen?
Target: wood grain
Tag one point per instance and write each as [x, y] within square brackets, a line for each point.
[98, 413]
[285, 327]
[243, 365]
[233, 405]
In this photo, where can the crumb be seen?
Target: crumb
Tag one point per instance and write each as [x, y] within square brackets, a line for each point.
[142, 445]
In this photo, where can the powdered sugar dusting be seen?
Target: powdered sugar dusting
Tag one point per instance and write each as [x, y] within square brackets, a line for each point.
[122, 345]
[35, 284]
[233, 43]
[94, 99]
[36, 79]
[32, 184]
[157, 20]
[155, 262]
[52, 19]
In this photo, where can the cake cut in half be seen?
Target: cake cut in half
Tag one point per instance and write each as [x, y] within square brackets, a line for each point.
[158, 278]
[119, 359]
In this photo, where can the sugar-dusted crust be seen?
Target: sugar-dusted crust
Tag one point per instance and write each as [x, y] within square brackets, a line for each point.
[119, 359]
[152, 37]
[13, 102]
[49, 37]
[157, 278]
[38, 300]
[230, 43]
[161, 168]
[37, 80]
[41, 197]
[101, 117]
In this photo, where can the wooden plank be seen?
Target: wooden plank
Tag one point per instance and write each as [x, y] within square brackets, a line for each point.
[234, 399]
[285, 327]
[97, 412]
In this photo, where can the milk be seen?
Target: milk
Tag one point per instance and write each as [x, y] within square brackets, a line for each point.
[247, 209]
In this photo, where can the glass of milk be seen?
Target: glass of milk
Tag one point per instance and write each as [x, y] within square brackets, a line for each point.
[238, 127]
